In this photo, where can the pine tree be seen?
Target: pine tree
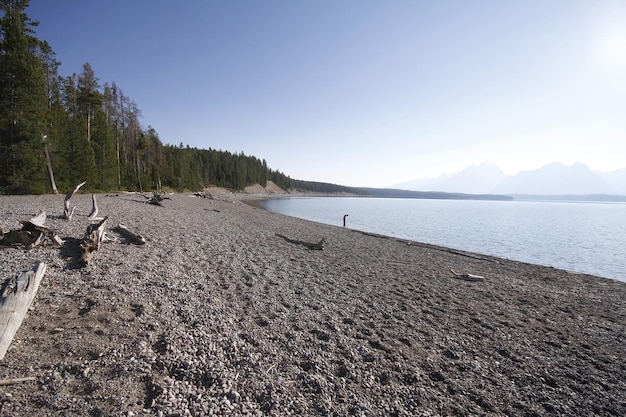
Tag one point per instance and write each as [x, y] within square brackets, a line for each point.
[22, 102]
[54, 113]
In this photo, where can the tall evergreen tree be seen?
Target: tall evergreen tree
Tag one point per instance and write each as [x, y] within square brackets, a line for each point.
[69, 130]
[22, 102]
[54, 113]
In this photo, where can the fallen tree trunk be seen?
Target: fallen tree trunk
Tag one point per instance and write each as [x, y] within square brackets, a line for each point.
[135, 238]
[33, 233]
[15, 299]
[91, 242]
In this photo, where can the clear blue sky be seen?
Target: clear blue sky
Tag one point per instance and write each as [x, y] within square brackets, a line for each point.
[359, 92]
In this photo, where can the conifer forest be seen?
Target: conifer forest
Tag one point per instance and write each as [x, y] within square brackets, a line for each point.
[57, 131]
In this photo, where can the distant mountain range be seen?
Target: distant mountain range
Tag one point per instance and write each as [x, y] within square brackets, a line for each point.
[552, 179]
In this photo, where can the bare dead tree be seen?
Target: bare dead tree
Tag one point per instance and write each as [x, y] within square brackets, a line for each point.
[49, 165]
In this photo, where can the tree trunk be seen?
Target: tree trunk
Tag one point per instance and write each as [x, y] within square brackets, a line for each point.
[50, 172]
[117, 151]
[138, 171]
[88, 126]
[15, 299]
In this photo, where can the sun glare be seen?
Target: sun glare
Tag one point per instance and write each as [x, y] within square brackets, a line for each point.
[610, 54]
[613, 50]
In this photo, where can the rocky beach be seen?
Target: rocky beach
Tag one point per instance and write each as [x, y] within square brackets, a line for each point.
[231, 310]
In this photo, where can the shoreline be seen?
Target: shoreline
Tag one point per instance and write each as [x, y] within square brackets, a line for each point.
[614, 273]
[216, 313]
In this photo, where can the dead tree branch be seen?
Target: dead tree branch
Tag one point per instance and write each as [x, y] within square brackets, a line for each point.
[67, 212]
[13, 381]
[94, 211]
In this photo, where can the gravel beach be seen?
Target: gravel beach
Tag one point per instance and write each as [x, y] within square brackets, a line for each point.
[224, 311]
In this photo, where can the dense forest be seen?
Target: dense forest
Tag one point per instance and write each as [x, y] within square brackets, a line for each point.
[57, 131]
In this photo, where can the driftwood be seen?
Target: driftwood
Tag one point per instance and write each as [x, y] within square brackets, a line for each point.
[468, 277]
[33, 233]
[203, 194]
[12, 381]
[156, 198]
[67, 212]
[94, 235]
[135, 238]
[315, 246]
[16, 297]
[94, 211]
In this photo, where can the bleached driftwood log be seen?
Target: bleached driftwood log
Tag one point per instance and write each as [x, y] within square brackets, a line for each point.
[468, 277]
[156, 198]
[91, 242]
[94, 211]
[67, 212]
[16, 297]
[12, 381]
[203, 194]
[33, 233]
[315, 246]
[135, 238]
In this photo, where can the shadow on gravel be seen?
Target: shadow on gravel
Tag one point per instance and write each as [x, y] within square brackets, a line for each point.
[70, 252]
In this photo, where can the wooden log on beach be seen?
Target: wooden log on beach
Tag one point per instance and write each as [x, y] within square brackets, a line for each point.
[467, 277]
[135, 238]
[13, 381]
[91, 242]
[67, 212]
[16, 297]
[157, 197]
[33, 233]
[94, 209]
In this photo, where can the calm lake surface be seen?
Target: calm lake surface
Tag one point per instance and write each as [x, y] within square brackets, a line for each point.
[576, 236]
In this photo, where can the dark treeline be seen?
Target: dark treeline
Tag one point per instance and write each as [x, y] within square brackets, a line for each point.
[431, 195]
[56, 131]
[324, 188]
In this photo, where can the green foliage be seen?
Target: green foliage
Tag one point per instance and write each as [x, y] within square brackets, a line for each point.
[93, 133]
[22, 101]
[188, 168]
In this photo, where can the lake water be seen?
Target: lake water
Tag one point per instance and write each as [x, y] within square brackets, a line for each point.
[576, 236]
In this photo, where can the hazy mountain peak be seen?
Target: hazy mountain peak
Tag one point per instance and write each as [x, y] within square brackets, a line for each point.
[554, 178]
